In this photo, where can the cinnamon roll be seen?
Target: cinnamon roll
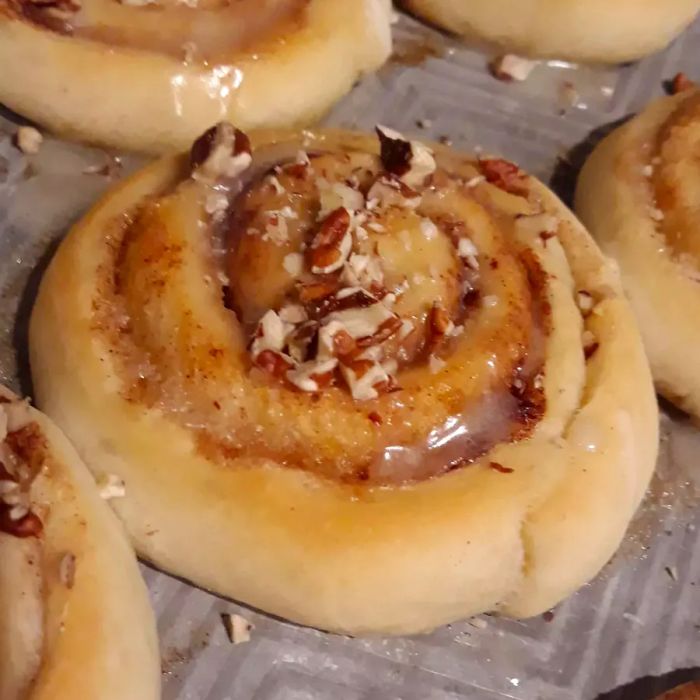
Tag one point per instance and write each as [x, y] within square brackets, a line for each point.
[151, 75]
[638, 195]
[579, 30]
[359, 382]
[75, 620]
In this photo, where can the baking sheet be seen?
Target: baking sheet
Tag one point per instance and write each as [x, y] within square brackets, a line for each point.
[631, 633]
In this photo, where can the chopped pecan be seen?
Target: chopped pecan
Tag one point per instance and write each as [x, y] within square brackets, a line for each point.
[221, 152]
[439, 322]
[313, 376]
[343, 343]
[505, 175]
[270, 334]
[388, 192]
[680, 83]
[29, 525]
[302, 343]
[411, 161]
[367, 379]
[333, 195]
[332, 243]
[386, 329]
[276, 364]
[510, 67]
[317, 291]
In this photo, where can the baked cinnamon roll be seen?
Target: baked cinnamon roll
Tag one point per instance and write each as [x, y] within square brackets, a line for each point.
[638, 195]
[580, 30]
[151, 75]
[358, 382]
[75, 620]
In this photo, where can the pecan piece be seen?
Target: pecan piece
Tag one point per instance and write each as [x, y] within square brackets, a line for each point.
[505, 175]
[511, 67]
[680, 83]
[384, 332]
[317, 291]
[411, 161]
[29, 525]
[273, 363]
[222, 152]
[332, 243]
[439, 322]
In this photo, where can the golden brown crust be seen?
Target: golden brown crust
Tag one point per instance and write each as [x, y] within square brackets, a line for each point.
[500, 533]
[76, 620]
[637, 193]
[581, 30]
[170, 78]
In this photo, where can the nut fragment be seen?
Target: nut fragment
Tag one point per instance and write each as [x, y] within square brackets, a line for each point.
[366, 379]
[332, 243]
[293, 313]
[389, 192]
[237, 628]
[505, 175]
[338, 194]
[28, 139]
[221, 152]
[270, 334]
[411, 161]
[363, 271]
[364, 323]
[680, 83]
[314, 375]
[511, 67]
[439, 321]
[276, 364]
